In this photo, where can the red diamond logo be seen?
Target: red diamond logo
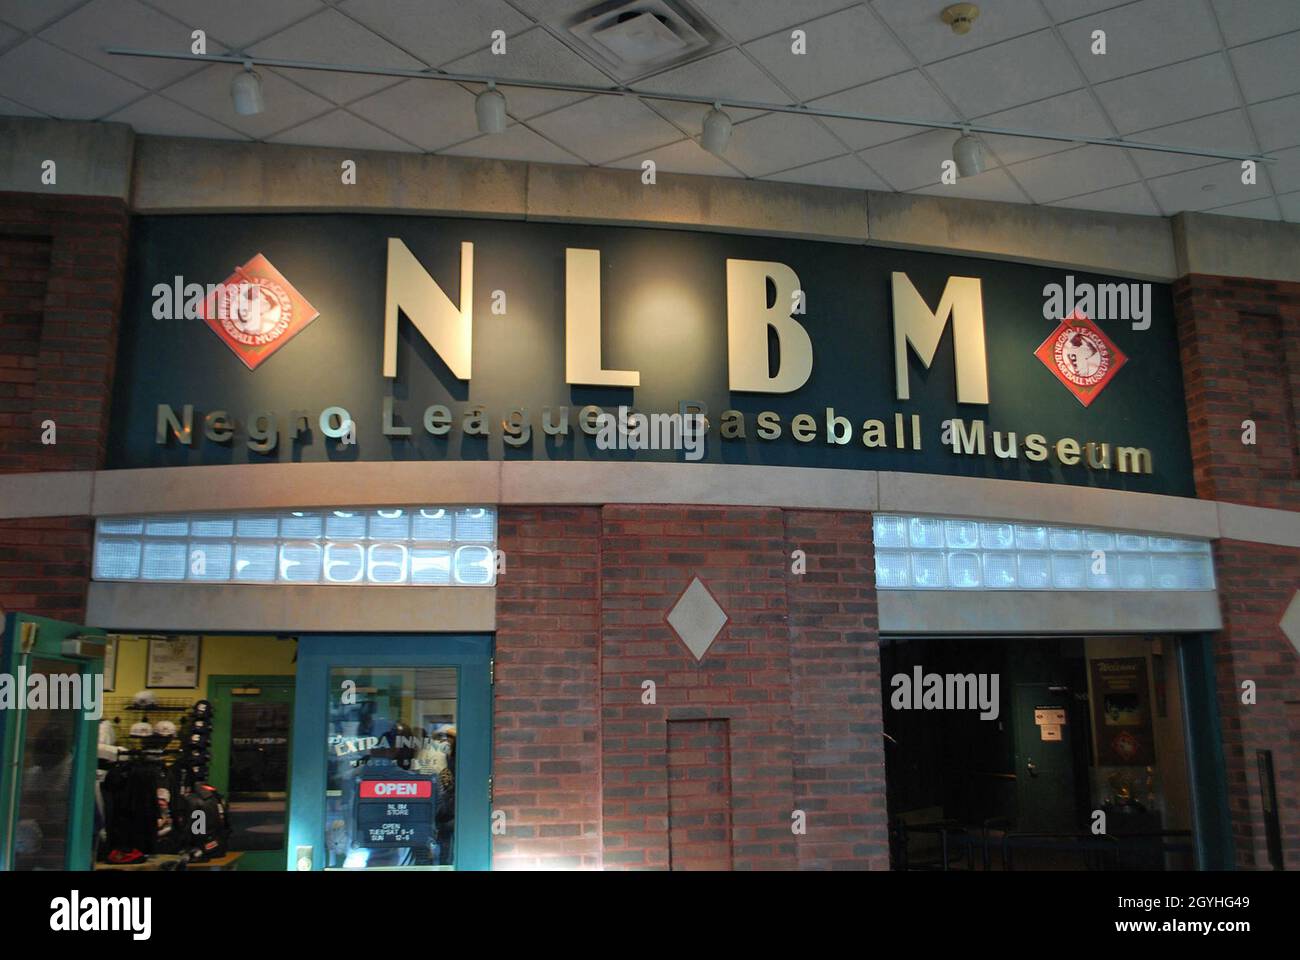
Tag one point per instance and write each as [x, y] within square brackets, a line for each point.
[256, 311]
[1081, 356]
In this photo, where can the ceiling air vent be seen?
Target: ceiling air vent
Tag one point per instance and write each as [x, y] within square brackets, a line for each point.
[635, 37]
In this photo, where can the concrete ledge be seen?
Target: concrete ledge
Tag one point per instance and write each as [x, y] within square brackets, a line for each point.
[91, 159]
[1054, 611]
[1259, 525]
[1110, 243]
[289, 609]
[55, 494]
[1054, 503]
[1237, 247]
[175, 175]
[698, 483]
[600, 195]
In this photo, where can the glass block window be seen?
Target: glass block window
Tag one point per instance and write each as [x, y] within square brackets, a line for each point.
[942, 553]
[384, 546]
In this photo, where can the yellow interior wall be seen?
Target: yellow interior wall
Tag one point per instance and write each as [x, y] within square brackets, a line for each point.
[257, 656]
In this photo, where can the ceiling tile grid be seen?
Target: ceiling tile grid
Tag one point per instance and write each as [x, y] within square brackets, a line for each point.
[1214, 74]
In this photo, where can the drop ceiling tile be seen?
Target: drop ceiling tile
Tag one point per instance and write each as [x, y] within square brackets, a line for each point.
[923, 31]
[287, 104]
[1220, 131]
[602, 129]
[1084, 169]
[103, 23]
[1075, 113]
[437, 30]
[1263, 209]
[534, 55]
[1205, 187]
[912, 162]
[989, 185]
[726, 74]
[1169, 94]
[684, 156]
[743, 20]
[1245, 20]
[1290, 206]
[431, 114]
[904, 95]
[330, 37]
[1277, 122]
[1285, 173]
[1141, 36]
[516, 142]
[55, 82]
[1267, 69]
[238, 23]
[845, 50]
[1007, 74]
[10, 108]
[160, 116]
[9, 36]
[1130, 198]
[779, 141]
[846, 171]
[31, 15]
[1065, 10]
[338, 128]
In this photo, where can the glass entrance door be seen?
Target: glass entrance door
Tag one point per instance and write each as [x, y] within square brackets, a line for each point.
[391, 754]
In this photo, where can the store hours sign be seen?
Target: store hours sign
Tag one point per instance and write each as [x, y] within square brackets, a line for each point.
[343, 337]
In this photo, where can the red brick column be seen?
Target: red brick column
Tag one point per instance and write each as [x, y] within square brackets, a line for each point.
[1240, 344]
[546, 746]
[62, 268]
[839, 760]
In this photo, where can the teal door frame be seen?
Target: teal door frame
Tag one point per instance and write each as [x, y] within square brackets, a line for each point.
[48, 645]
[1206, 767]
[317, 655]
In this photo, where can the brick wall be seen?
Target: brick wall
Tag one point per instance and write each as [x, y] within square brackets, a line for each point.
[62, 266]
[1240, 343]
[781, 714]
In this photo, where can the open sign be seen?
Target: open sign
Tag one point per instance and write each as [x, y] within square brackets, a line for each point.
[386, 789]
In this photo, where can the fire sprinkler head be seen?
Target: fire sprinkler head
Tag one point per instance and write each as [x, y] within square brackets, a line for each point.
[960, 16]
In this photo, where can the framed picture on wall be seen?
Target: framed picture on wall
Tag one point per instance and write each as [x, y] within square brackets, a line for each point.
[173, 662]
[110, 663]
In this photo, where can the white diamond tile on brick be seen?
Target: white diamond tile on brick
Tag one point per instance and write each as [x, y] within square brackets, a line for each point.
[437, 30]
[31, 15]
[431, 115]
[1222, 131]
[1277, 122]
[1245, 20]
[602, 129]
[1188, 190]
[101, 23]
[1290, 622]
[1269, 68]
[919, 27]
[57, 83]
[1074, 113]
[1130, 198]
[684, 156]
[341, 129]
[845, 50]
[533, 55]
[517, 142]
[744, 20]
[330, 37]
[287, 104]
[1140, 36]
[989, 185]
[238, 23]
[161, 117]
[1007, 74]
[1169, 94]
[779, 141]
[904, 95]
[696, 618]
[846, 171]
